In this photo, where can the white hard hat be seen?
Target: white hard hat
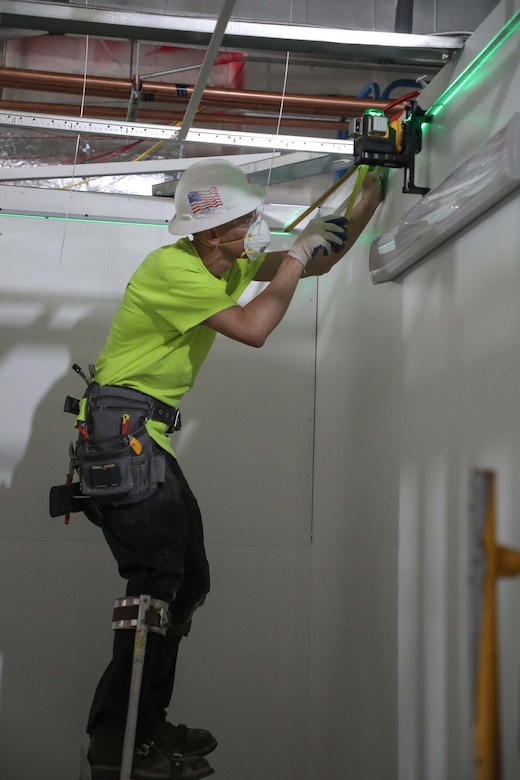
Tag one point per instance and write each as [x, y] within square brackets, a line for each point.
[211, 193]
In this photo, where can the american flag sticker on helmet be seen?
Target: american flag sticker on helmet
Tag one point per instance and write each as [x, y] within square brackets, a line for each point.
[204, 200]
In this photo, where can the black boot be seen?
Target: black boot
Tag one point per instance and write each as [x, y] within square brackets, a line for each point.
[150, 762]
[184, 741]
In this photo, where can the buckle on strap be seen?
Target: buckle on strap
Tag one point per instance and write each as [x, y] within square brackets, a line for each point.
[157, 410]
[170, 415]
[126, 612]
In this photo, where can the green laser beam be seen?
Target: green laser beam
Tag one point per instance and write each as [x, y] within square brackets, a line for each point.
[85, 219]
[469, 72]
[103, 221]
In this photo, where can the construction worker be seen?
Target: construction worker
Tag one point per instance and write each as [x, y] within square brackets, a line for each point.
[176, 302]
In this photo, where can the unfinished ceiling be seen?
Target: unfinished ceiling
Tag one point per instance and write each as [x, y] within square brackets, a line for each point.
[140, 82]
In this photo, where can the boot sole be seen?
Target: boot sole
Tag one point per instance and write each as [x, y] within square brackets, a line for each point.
[204, 751]
[105, 773]
[114, 773]
[190, 773]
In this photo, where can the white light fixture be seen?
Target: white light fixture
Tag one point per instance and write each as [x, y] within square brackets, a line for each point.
[478, 184]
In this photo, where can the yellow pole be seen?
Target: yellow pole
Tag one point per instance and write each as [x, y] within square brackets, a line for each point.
[499, 562]
[321, 199]
[487, 758]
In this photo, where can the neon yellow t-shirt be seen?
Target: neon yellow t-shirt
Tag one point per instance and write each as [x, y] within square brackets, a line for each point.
[156, 343]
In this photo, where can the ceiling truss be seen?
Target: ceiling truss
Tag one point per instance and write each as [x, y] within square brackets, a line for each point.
[210, 34]
[196, 31]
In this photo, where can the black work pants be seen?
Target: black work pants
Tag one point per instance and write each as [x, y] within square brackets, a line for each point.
[159, 548]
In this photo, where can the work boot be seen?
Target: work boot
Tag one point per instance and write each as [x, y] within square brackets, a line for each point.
[149, 763]
[184, 741]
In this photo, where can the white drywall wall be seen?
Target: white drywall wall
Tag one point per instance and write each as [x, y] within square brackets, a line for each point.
[246, 447]
[418, 384]
[344, 655]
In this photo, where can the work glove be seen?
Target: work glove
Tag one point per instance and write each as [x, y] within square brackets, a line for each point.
[325, 233]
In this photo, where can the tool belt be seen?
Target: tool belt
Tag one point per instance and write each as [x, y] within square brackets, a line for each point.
[116, 459]
[109, 396]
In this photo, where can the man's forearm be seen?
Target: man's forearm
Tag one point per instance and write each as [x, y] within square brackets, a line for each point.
[267, 310]
[254, 322]
[371, 196]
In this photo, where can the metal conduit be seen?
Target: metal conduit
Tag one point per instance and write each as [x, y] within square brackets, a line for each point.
[97, 86]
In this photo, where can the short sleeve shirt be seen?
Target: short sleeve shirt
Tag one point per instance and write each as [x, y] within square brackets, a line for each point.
[157, 342]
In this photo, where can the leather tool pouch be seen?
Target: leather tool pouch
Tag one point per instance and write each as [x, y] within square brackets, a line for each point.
[118, 462]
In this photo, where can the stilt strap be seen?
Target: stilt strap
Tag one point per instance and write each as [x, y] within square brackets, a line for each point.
[126, 611]
[179, 629]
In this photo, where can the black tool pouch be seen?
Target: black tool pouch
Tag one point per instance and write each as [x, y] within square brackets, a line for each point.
[118, 462]
[64, 499]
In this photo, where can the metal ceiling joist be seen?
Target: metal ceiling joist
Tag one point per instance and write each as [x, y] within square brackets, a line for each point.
[196, 31]
[205, 71]
[250, 119]
[87, 126]
[11, 33]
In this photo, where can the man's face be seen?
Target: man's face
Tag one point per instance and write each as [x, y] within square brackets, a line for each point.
[234, 232]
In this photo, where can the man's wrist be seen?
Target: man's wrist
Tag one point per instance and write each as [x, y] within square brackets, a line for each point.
[295, 262]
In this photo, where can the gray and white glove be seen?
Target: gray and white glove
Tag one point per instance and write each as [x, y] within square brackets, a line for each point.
[326, 233]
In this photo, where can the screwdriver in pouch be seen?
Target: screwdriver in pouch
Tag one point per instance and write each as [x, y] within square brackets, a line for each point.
[125, 424]
[82, 374]
[82, 428]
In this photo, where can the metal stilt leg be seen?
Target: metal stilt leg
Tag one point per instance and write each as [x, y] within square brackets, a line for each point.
[152, 615]
[141, 634]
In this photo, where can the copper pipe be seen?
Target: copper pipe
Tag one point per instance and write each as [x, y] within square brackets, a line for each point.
[97, 86]
[157, 116]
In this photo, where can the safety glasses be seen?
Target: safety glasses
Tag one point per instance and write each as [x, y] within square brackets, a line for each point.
[245, 221]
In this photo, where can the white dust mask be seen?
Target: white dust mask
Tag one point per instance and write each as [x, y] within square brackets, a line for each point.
[257, 239]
